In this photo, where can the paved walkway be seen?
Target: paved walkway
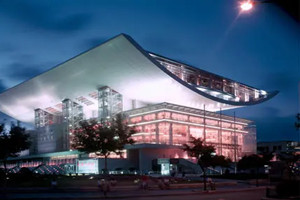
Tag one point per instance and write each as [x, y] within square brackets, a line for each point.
[116, 193]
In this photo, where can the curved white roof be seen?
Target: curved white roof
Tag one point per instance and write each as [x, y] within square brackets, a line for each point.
[119, 63]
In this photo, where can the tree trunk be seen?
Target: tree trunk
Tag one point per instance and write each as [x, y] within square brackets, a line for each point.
[5, 172]
[204, 177]
[5, 168]
[257, 176]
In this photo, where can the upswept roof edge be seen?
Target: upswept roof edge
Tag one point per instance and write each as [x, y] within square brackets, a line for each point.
[198, 97]
[146, 54]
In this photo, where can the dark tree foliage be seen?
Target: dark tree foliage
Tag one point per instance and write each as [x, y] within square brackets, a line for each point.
[219, 160]
[290, 159]
[267, 156]
[12, 142]
[253, 161]
[103, 138]
[205, 155]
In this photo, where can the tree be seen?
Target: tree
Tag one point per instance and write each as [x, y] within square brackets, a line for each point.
[103, 138]
[222, 161]
[290, 159]
[12, 142]
[203, 153]
[253, 161]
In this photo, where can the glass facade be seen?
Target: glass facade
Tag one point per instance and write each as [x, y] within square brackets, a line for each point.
[72, 115]
[173, 125]
[163, 123]
[211, 84]
[44, 118]
[109, 103]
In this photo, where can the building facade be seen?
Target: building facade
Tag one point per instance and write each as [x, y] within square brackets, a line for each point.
[278, 147]
[166, 100]
[171, 124]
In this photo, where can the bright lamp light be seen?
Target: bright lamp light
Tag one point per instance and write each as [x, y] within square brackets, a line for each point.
[247, 5]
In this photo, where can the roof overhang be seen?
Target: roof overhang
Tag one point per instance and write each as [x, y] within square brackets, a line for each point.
[119, 63]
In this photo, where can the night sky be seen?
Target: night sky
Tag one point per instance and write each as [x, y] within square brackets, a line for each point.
[260, 48]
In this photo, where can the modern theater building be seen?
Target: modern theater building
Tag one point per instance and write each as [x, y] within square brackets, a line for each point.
[166, 100]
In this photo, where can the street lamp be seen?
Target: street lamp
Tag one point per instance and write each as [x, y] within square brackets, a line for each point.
[246, 5]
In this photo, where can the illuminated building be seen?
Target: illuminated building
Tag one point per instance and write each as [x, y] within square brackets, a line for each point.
[166, 100]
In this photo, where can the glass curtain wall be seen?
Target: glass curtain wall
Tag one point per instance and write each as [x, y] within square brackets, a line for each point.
[174, 127]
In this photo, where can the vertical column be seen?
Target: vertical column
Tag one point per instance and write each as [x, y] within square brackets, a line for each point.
[103, 103]
[171, 134]
[67, 118]
[143, 128]
[188, 135]
[220, 133]
[198, 79]
[181, 72]
[72, 115]
[210, 81]
[204, 126]
[133, 104]
[110, 103]
[156, 129]
[157, 132]
[188, 131]
[235, 90]
[234, 148]
[37, 118]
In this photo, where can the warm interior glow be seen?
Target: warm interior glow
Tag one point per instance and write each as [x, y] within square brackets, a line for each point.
[247, 5]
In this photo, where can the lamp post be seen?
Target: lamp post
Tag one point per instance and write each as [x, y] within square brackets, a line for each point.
[247, 5]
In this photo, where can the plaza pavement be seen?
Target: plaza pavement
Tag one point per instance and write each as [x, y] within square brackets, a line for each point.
[127, 192]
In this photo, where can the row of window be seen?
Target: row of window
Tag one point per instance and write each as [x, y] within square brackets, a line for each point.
[210, 81]
[184, 118]
[179, 133]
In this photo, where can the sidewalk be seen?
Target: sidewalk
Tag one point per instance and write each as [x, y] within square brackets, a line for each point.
[152, 186]
[115, 194]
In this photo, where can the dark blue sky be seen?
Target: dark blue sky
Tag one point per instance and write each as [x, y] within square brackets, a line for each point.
[260, 48]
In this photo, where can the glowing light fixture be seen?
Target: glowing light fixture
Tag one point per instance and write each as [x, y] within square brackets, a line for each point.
[246, 5]
[263, 92]
[202, 89]
[226, 97]
[214, 93]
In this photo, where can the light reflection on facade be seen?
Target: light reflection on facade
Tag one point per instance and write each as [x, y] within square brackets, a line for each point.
[166, 124]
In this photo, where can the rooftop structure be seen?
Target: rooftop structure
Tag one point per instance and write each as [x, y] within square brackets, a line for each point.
[123, 65]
